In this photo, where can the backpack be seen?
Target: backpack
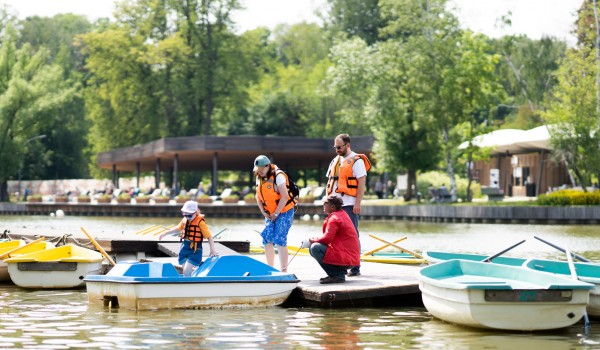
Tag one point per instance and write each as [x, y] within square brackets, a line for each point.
[293, 189]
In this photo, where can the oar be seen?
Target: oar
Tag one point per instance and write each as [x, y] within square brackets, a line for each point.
[490, 258]
[586, 319]
[98, 247]
[162, 229]
[146, 230]
[383, 246]
[155, 231]
[397, 246]
[8, 253]
[576, 256]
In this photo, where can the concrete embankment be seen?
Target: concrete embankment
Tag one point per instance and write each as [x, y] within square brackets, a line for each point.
[425, 212]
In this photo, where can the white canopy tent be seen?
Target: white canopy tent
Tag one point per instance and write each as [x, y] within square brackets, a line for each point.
[513, 140]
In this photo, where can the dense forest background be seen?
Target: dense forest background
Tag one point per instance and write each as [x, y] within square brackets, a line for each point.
[401, 70]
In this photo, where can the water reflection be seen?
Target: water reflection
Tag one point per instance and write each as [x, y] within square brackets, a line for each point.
[62, 320]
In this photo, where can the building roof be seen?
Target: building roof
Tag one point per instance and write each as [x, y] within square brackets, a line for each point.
[196, 153]
[513, 141]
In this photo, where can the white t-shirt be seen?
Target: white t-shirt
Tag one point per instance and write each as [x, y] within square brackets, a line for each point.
[358, 169]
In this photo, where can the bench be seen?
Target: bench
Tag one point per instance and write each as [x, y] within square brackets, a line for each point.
[440, 195]
[493, 193]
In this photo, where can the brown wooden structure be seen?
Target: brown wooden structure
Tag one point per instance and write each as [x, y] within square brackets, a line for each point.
[214, 153]
[522, 174]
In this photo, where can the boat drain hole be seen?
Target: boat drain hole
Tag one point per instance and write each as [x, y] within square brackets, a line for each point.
[570, 315]
[111, 301]
[81, 278]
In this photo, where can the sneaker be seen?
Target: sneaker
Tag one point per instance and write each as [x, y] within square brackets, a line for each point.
[353, 273]
[331, 279]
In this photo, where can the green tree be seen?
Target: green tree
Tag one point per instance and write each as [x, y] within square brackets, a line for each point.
[67, 130]
[31, 92]
[355, 18]
[526, 71]
[572, 117]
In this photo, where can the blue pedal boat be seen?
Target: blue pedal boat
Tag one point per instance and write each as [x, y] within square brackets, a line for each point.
[231, 281]
[495, 296]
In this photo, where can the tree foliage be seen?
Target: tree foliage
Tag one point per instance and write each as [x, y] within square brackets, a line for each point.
[32, 93]
[572, 117]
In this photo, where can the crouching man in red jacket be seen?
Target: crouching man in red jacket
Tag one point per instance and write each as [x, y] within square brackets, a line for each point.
[337, 249]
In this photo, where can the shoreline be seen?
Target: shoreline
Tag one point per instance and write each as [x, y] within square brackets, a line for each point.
[571, 215]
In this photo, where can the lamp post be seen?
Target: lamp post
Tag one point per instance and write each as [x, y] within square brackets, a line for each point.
[21, 162]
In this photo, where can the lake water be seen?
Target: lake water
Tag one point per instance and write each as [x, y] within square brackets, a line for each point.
[63, 320]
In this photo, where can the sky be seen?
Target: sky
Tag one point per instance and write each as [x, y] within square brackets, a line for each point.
[534, 18]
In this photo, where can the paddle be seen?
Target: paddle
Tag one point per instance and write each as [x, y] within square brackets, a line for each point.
[148, 230]
[397, 246]
[371, 252]
[578, 257]
[20, 248]
[574, 276]
[98, 247]
[490, 258]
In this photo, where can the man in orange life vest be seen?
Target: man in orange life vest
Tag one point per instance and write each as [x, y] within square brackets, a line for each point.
[347, 177]
[192, 229]
[277, 206]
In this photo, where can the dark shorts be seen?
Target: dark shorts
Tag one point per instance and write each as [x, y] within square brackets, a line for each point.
[187, 254]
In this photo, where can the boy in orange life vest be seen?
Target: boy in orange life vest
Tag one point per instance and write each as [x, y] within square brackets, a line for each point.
[192, 229]
[347, 177]
[277, 206]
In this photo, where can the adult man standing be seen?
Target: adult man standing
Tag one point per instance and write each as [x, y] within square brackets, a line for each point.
[347, 177]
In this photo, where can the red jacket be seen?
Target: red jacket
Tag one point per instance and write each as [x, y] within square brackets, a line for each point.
[341, 239]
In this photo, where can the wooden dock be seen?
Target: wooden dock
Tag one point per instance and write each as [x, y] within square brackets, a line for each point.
[378, 285]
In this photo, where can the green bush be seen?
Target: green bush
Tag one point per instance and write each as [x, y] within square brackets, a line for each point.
[570, 197]
[436, 179]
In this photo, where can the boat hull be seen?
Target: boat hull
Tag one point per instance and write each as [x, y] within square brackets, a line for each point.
[149, 296]
[56, 268]
[586, 272]
[501, 297]
[232, 281]
[8, 246]
[52, 275]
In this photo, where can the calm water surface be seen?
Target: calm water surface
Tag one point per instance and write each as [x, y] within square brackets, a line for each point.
[63, 319]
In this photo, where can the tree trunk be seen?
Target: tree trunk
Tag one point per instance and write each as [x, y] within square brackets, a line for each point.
[450, 164]
[411, 186]
[4, 191]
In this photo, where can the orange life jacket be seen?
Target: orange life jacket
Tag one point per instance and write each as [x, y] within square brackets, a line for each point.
[268, 197]
[192, 231]
[341, 172]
